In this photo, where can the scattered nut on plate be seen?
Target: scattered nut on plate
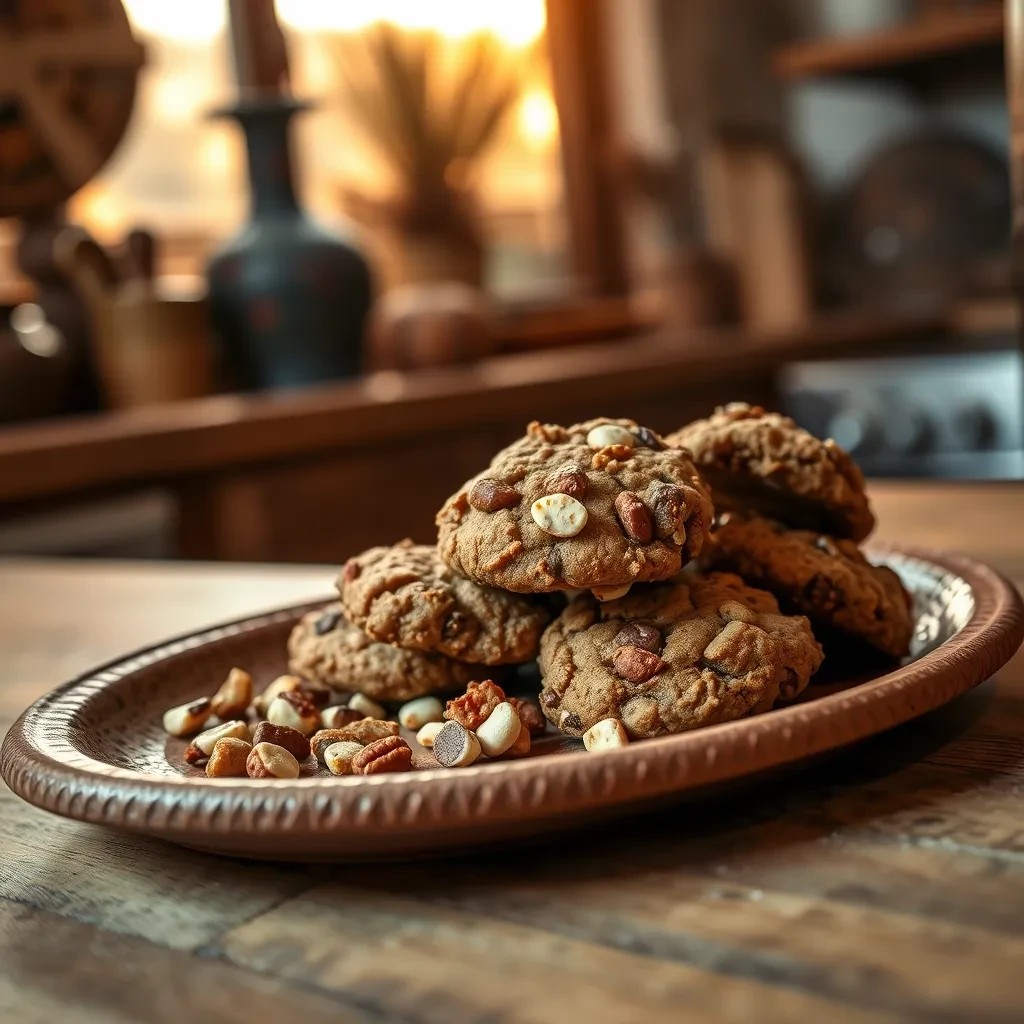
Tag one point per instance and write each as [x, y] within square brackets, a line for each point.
[188, 719]
[367, 707]
[200, 748]
[234, 695]
[455, 746]
[607, 734]
[269, 761]
[479, 700]
[390, 754]
[283, 736]
[291, 709]
[229, 758]
[338, 716]
[425, 737]
[338, 757]
[499, 730]
[420, 711]
[282, 684]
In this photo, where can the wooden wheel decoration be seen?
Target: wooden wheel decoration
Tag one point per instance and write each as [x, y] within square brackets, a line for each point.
[68, 71]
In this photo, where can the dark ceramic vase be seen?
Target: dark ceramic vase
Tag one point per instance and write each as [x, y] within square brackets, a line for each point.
[288, 299]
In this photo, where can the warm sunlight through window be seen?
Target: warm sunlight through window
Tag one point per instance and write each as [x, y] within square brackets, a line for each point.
[184, 175]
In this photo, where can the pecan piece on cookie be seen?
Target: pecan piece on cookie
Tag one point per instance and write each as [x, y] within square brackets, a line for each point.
[634, 517]
[491, 496]
[636, 665]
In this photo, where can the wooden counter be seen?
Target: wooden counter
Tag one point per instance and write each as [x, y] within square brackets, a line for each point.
[886, 884]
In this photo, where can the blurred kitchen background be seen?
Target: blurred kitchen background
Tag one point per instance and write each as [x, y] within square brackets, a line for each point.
[276, 277]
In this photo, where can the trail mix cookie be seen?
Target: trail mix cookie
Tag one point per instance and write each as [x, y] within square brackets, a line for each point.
[764, 462]
[695, 651]
[602, 504]
[329, 650]
[406, 595]
[828, 580]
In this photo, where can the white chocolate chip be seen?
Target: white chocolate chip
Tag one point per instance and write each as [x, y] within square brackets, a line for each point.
[610, 593]
[366, 707]
[187, 719]
[425, 737]
[419, 712]
[236, 730]
[606, 735]
[338, 757]
[561, 515]
[610, 433]
[455, 746]
[499, 730]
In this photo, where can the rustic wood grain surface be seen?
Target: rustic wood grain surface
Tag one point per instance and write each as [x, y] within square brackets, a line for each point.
[884, 885]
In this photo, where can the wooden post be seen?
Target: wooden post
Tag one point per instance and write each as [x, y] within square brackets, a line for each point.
[576, 42]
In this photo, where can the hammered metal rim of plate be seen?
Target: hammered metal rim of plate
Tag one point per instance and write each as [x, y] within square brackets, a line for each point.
[41, 764]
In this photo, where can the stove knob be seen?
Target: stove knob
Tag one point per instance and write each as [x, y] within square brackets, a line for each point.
[976, 428]
[908, 431]
[855, 430]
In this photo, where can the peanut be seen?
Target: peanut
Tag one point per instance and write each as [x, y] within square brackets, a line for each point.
[269, 761]
[234, 695]
[338, 757]
[419, 712]
[188, 719]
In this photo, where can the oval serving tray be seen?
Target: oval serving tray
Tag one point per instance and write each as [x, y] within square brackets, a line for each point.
[94, 749]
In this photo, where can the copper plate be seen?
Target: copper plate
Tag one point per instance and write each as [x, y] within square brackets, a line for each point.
[94, 749]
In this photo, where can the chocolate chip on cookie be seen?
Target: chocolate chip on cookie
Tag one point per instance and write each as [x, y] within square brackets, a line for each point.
[830, 581]
[405, 595]
[603, 504]
[763, 462]
[345, 658]
[674, 656]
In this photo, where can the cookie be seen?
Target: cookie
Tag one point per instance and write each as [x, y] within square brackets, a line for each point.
[406, 595]
[326, 649]
[602, 504]
[696, 651]
[828, 580]
[763, 462]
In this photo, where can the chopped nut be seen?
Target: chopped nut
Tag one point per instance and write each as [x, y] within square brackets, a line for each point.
[365, 731]
[282, 684]
[455, 746]
[530, 715]
[667, 504]
[606, 735]
[200, 748]
[228, 758]
[560, 515]
[339, 716]
[283, 736]
[420, 711]
[521, 745]
[426, 736]
[500, 730]
[634, 517]
[234, 695]
[479, 700]
[293, 710]
[610, 593]
[571, 481]
[639, 634]
[610, 433]
[611, 457]
[491, 496]
[188, 719]
[365, 706]
[338, 757]
[636, 665]
[390, 754]
[269, 761]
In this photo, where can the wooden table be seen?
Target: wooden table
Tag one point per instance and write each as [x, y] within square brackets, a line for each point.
[885, 885]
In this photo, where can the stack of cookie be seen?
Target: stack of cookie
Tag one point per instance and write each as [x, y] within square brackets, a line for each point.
[606, 515]
[611, 514]
[407, 626]
[792, 510]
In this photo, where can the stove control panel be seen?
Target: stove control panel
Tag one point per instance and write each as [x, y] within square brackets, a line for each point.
[959, 415]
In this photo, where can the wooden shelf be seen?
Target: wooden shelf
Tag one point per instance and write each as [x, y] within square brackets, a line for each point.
[896, 52]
